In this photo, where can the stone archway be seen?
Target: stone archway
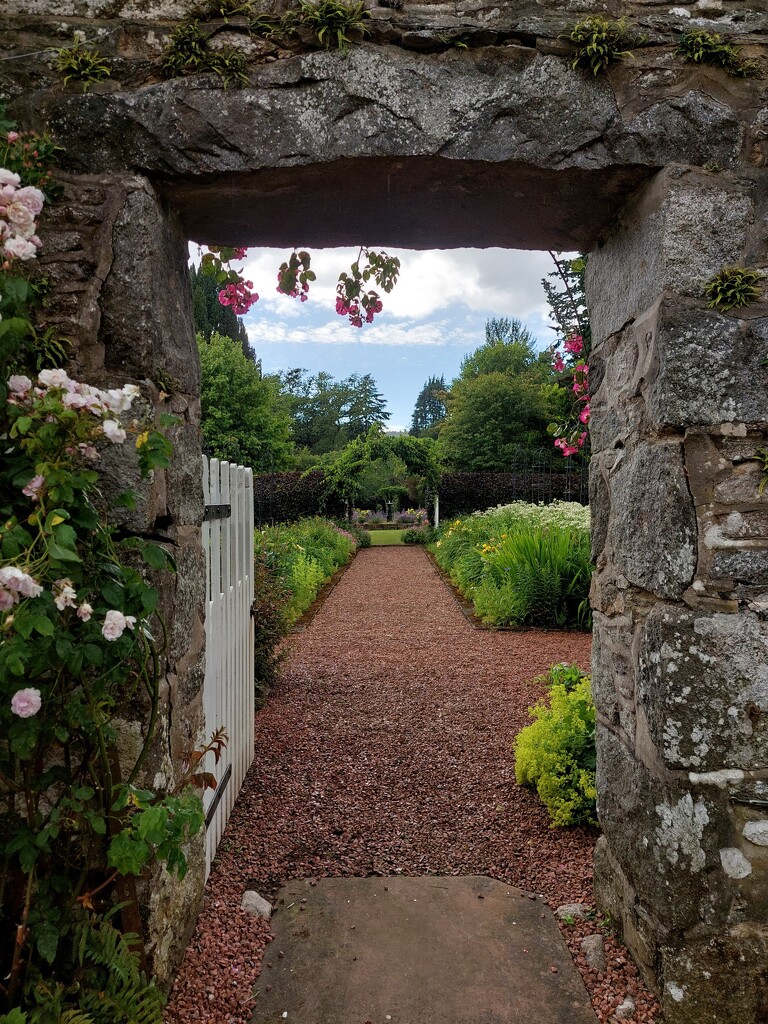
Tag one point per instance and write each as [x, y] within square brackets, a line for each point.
[659, 170]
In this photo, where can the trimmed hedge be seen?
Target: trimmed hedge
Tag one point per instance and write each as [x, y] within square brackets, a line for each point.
[461, 493]
[288, 497]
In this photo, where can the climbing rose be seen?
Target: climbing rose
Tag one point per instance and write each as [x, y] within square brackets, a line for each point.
[64, 595]
[26, 703]
[18, 384]
[574, 344]
[115, 623]
[19, 582]
[85, 611]
[32, 490]
[113, 431]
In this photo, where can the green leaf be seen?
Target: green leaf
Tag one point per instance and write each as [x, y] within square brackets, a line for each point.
[42, 625]
[154, 556]
[128, 853]
[152, 824]
[61, 554]
[48, 942]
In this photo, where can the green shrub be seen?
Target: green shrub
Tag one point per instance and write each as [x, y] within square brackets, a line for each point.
[564, 674]
[270, 624]
[417, 535]
[556, 754]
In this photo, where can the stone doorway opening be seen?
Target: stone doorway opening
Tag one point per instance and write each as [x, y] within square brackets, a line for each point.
[659, 172]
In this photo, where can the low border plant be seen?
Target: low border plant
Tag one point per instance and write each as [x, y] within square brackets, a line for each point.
[599, 44]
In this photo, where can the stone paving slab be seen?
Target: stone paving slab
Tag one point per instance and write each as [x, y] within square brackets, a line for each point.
[429, 950]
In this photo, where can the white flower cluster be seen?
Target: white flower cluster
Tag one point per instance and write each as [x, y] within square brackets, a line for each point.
[78, 396]
[19, 206]
[564, 514]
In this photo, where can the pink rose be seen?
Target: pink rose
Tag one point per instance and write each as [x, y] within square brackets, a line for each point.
[26, 703]
[85, 611]
[19, 248]
[9, 178]
[18, 384]
[7, 600]
[32, 490]
[115, 624]
[30, 197]
[64, 595]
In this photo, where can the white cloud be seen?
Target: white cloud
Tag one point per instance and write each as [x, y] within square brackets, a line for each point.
[505, 282]
[339, 332]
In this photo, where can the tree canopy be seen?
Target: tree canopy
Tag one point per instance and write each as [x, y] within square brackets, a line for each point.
[430, 409]
[328, 413]
[344, 473]
[245, 417]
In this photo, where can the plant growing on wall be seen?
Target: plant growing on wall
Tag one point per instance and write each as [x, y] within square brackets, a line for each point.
[188, 53]
[733, 287]
[332, 22]
[80, 63]
[700, 47]
[599, 44]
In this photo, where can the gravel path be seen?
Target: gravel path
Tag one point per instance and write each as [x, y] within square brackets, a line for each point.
[386, 748]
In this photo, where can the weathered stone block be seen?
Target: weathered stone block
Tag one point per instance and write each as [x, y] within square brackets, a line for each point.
[651, 533]
[664, 836]
[720, 981]
[680, 231]
[703, 686]
[614, 670]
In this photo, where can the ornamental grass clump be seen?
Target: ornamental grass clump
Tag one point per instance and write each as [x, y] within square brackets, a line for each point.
[521, 564]
[556, 753]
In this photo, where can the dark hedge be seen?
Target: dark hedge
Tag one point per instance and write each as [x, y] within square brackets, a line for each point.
[461, 493]
[286, 497]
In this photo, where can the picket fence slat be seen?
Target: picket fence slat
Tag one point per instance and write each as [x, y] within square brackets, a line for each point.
[228, 696]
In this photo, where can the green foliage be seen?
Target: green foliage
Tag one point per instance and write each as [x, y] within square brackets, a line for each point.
[733, 287]
[521, 564]
[344, 473]
[567, 298]
[563, 674]
[418, 535]
[211, 317]
[361, 535]
[492, 415]
[328, 413]
[188, 53]
[509, 348]
[245, 417]
[430, 410]
[224, 9]
[270, 622]
[332, 22]
[599, 44]
[699, 47]
[301, 557]
[79, 63]
[556, 754]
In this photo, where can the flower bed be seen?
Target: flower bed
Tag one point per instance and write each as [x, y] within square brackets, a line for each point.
[521, 564]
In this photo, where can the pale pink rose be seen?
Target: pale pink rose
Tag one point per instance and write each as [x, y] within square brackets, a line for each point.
[9, 178]
[85, 611]
[12, 136]
[115, 624]
[30, 197]
[120, 399]
[18, 384]
[73, 400]
[14, 579]
[32, 490]
[7, 600]
[54, 379]
[113, 431]
[19, 217]
[64, 595]
[20, 249]
[26, 703]
[88, 451]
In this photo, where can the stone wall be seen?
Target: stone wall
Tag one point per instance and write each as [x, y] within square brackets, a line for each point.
[117, 263]
[459, 123]
[680, 664]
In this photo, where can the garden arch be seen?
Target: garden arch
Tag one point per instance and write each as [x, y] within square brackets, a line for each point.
[659, 170]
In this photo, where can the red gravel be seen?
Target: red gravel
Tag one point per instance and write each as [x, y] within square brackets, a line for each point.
[387, 748]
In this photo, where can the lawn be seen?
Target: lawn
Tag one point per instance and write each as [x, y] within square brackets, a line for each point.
[381, 537]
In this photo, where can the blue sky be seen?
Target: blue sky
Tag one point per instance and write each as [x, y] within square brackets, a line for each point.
[435, 315]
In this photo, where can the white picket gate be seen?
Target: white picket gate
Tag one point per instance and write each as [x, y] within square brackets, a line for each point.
[228, 693]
